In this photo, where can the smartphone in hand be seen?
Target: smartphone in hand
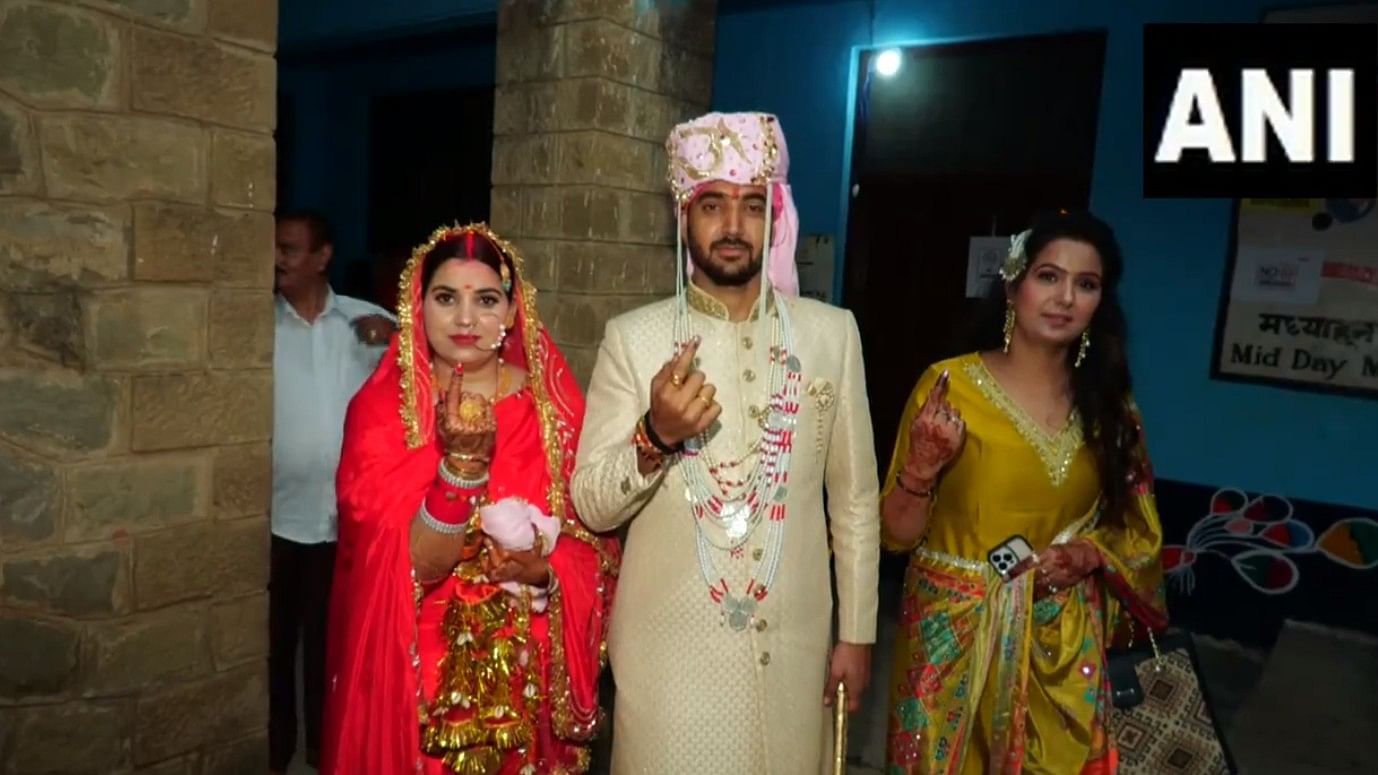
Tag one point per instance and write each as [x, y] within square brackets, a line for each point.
[1005, 557]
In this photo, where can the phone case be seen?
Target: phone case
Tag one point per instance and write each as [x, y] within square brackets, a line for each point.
[1004, 557]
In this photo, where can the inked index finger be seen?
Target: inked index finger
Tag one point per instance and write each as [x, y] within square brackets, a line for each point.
[685, 360]
[452, 394]
[663, 375]
[940, 387]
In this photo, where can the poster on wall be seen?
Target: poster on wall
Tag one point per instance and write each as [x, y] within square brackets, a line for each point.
[1300, 302]
[815, 258]
[984, 257]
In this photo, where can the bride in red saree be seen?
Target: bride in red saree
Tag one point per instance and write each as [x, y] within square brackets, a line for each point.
[451, 651]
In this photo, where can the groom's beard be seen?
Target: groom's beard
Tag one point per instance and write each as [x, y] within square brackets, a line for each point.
[735, 274]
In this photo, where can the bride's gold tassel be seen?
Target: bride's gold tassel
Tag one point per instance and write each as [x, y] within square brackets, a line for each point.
[474, 761]
[477, 675]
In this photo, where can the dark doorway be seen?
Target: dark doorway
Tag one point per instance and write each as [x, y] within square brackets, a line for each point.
[283, 136]
[965, 140]
[430, 163]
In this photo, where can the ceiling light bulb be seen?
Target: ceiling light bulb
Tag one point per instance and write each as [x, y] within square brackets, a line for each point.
[888, 62]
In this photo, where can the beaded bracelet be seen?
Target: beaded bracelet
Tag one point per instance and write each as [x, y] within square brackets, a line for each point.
[651, 436]
[454, 480]
[642, 442]
[440, 526]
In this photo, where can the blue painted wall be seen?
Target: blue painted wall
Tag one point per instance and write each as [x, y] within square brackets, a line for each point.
[303, 23]
[796, 60]
[330, 141]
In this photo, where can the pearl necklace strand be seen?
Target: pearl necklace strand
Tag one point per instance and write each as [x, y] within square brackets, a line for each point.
[727, 514]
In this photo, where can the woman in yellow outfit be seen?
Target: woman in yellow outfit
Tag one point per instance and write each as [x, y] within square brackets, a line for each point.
[1031, 443]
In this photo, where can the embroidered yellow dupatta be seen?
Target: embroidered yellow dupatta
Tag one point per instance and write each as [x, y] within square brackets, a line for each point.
[985, 679]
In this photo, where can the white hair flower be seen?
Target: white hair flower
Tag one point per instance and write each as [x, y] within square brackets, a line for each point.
[1017, 258]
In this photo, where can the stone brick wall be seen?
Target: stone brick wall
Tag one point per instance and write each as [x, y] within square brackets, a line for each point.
[136, 197]
[587, 92]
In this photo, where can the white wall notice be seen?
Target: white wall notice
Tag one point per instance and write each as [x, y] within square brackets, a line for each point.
[984, 256]
[1278, 275]
[816, 260]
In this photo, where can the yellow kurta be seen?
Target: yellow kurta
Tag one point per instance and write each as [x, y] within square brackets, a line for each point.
[985, 680]
[693, 695]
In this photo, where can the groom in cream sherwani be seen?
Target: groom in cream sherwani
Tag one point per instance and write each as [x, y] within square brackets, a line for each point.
[716, 420]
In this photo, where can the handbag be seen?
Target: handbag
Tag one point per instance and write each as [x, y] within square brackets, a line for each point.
[1161, 718]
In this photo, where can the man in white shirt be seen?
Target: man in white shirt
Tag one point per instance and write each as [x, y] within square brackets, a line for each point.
[326, 345]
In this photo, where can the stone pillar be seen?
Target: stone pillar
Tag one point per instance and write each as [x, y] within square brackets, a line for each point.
[136, 197]
[587, 92]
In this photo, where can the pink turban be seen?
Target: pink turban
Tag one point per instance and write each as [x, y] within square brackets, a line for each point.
[747, 149]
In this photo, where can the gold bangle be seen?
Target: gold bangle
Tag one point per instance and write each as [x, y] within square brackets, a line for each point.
[456, 469]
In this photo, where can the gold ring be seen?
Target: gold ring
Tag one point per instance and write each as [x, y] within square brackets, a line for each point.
[676, 380]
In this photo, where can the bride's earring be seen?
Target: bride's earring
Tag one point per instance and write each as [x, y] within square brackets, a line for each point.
[1081, 350]
[502, 339]
[1009, 324]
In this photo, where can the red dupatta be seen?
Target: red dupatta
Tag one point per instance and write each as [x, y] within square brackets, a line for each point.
[387, 465]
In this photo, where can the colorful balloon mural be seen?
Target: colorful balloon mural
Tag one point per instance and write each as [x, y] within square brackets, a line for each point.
[1260, 536]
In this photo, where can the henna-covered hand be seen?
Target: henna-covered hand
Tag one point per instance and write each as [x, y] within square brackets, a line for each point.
[1060, 566]
[467, 428]
[524, 566]
[935, 436]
